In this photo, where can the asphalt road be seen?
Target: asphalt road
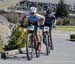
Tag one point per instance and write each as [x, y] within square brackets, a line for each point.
[63, 53]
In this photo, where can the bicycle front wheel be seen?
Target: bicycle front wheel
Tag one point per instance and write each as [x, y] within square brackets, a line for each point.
[37, 52]
[47, 43]
[29, 47]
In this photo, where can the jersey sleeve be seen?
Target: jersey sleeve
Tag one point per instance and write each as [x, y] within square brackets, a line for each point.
[40, 16]
[27, 14]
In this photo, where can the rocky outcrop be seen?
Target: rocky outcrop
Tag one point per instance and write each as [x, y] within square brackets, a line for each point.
[4, 29]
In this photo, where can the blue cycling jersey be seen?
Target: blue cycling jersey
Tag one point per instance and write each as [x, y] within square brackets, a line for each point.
[33, 19]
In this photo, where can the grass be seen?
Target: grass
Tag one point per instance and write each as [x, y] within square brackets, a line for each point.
[66, 28]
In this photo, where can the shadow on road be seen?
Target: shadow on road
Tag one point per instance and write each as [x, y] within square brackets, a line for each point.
[70, 40]
[23, 57]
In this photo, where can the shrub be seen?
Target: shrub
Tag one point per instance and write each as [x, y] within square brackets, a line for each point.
[66, 21]
[1, 47]
[17, 39]
[58, 22]
[72, 36]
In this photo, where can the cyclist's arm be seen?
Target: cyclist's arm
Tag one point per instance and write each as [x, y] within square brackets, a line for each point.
[41, 18]
[54, 21]
[24, 18]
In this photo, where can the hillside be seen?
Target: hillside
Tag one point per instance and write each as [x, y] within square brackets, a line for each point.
[7, 3]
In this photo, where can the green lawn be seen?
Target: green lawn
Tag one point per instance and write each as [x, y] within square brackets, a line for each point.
[66, 28]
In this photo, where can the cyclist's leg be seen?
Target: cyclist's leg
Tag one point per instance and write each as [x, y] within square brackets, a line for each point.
[51, 39]
[38, 38]
[51, 31]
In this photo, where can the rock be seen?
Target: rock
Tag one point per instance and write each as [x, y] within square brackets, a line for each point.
[5, 31]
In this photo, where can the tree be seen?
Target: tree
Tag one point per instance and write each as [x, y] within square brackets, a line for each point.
[62, 9]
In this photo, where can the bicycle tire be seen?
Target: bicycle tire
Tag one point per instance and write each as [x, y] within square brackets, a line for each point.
[37, 52]
[46, 41]
[29, 54]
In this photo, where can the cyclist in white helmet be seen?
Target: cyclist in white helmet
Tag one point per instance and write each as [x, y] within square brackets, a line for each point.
[34, 17]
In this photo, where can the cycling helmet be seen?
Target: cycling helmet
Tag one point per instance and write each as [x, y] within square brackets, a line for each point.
[33, 9]
[48, 12]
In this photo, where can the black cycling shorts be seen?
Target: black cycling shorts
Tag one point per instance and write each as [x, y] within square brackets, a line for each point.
[49, 25]
[35, 23]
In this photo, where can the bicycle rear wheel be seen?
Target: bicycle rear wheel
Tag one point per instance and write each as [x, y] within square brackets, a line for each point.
[29, 47]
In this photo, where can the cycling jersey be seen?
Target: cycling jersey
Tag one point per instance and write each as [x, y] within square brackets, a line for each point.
[33, 20]
[27, 14]
[48, 21]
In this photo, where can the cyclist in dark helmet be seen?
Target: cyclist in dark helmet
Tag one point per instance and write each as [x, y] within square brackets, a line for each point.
[50, 20]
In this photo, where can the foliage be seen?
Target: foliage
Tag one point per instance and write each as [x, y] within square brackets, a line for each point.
[58, 22]
[62, 9]
[1, 47]
[72, 36]
[66, 21]
[17, 39]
